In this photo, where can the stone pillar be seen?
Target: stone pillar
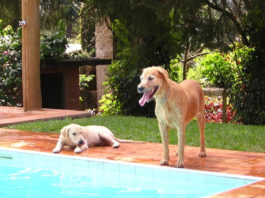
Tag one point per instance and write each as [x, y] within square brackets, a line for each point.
[104, 50]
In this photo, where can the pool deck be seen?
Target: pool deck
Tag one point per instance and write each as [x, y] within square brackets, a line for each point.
[14, 115]
[217, 160]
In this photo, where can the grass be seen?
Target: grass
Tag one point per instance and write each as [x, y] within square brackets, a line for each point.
[222, 136]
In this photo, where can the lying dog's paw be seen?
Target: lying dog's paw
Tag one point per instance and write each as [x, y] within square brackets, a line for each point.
[116, 145]
[163, 162]
[56, 150]
[78, 150]
[180, 164]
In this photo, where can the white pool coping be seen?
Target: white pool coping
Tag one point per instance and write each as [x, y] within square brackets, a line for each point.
[184, 170]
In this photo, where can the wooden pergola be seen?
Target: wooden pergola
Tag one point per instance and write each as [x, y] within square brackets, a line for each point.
[32, 99]
[31, 55]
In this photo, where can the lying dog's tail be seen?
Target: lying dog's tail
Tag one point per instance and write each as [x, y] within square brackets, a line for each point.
[128, 141]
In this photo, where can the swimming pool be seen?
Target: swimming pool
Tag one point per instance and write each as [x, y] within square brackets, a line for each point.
[35, 174]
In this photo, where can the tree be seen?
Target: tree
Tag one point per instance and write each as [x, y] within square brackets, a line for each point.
[10, 12]
[142, 38]
[53, 11]
[153, 33]
[158, 30]
[248, 18]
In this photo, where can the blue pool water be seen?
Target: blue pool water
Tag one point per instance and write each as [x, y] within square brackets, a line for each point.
[33, 174]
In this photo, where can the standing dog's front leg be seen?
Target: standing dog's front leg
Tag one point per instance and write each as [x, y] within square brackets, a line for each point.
[164, 135]
[181, 143]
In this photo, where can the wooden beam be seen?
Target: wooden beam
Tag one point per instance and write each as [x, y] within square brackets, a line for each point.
[31, 55]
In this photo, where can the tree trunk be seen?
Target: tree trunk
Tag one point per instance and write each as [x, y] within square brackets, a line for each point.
[185, 62]
[224, 106]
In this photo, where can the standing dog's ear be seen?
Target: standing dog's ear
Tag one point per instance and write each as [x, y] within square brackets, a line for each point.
[65, 131]
[162, 71]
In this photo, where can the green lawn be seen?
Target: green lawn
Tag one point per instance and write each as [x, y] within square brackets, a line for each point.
[223, 136]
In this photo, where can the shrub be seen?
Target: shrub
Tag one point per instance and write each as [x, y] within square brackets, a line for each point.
[248, 95]
[241, 72]
[218, 69]
[110, 105]
[175, 70]
[84, 80]
[194, 73]
[53, 44]
[213, 110]
[10, 66]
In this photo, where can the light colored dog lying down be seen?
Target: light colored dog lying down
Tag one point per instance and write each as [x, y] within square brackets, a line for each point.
[83, 137]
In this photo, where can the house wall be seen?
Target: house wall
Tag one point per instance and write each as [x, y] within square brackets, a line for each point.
[70, 86]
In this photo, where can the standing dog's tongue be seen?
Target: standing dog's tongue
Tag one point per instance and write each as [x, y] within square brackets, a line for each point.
[145, 98]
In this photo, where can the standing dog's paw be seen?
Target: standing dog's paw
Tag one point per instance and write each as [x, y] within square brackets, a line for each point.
[202, 154]
[78, 150]
[180, 164]
[164, 162]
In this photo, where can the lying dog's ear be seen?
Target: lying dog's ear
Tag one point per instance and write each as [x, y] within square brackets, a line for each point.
[82, 130]
[162, 71]
[65, 131]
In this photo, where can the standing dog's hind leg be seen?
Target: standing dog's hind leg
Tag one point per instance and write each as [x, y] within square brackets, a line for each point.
[181, 144]
[201, 124]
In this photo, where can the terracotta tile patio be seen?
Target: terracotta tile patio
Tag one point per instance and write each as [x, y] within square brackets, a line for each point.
[14, 115]
[223, 161]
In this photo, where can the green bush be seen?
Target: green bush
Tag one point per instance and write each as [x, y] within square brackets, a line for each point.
[248, 95]
[53, 44]
[237, 72]
[10, 66]
[175, 70]
[84, 80]
[218, 69]
[110, 105]
[194, 73]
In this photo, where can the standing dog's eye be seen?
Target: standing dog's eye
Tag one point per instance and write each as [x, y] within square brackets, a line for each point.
[150, 78]
[74, 133]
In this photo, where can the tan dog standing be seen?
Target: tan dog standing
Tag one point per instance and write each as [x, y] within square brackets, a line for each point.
[176, 105]
[82, 137]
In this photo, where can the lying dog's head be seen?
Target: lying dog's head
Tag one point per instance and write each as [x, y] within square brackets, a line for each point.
[152, 79]
[72, 134]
